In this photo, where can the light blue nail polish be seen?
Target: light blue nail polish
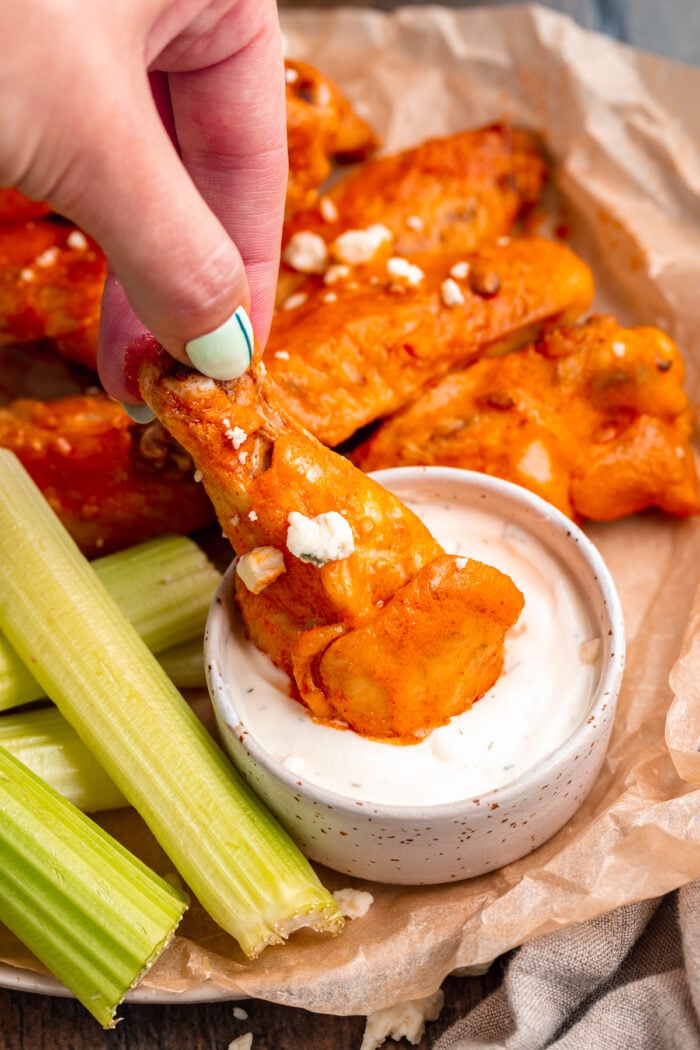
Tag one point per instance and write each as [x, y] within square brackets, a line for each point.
[139, 413]
[225, 353]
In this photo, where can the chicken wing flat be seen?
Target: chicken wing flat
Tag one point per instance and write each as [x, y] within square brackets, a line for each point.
[452, 193]
[51, 278]
[334, 573]
[111, 481]
[593, 417]
[350, 352]
[321, 126]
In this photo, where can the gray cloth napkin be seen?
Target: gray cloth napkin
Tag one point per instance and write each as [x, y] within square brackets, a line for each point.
[629, 980]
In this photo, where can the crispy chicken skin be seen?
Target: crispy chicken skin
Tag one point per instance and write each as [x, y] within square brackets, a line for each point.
[339, 363]
[454, 193]
[111, 481]
[51, 278]
[594, 418]
[258, 465]
[450, 193]
[321, 126]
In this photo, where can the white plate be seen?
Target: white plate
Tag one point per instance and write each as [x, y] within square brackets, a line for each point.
[20, 980]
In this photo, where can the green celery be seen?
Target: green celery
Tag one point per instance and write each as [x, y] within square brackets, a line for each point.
[86, 907]
[241, 865]
[48, 745]
[163, 586]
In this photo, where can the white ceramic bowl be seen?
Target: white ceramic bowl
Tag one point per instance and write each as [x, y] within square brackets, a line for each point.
[449, 841]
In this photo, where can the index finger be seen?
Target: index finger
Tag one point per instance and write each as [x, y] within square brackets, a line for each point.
[230, 121]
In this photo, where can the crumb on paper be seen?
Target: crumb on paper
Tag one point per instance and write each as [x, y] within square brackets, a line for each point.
[352, 903]
[240, 1014]
[242, 1042]
[402, 1021]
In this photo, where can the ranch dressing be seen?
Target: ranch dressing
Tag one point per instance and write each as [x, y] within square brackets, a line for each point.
[540, 699]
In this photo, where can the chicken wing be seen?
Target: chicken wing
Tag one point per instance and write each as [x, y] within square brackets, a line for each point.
[15, 207]
[51, 278]
[321, 126]
[360, 575]
[350, 352]
[111, 481]
[594, 418]
[452, 193]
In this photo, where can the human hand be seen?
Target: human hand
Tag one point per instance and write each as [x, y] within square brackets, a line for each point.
[180, 179]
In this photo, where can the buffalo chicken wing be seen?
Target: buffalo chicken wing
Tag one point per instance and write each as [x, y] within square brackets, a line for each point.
[594, 418]
[337, 600]
[454, 193]
[321, 126]
[51, 278]
[348, 352]
[111, 481]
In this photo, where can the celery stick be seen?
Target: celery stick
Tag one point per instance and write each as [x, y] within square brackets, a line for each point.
[45, 742]
[89, 910]
[184, 664]
[163, 586]
[241, 865]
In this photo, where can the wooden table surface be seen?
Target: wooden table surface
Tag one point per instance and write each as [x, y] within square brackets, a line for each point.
[34, 1022]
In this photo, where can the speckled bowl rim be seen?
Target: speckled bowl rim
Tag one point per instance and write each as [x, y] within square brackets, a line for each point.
[604, 698]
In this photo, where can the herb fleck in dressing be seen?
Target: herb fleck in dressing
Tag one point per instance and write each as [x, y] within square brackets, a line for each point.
[539, 700]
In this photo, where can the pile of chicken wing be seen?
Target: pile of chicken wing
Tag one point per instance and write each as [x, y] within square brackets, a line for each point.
[417, 323]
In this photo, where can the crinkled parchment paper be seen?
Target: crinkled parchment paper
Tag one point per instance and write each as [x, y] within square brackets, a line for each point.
[623, 132]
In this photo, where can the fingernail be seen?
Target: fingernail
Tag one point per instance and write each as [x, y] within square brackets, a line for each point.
[225, 353]
[139, 413]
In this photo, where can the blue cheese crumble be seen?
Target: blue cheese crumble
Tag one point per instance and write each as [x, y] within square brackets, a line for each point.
[327, 537]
